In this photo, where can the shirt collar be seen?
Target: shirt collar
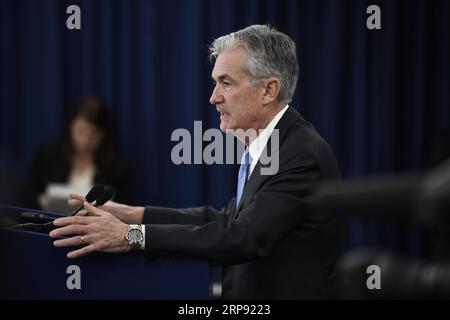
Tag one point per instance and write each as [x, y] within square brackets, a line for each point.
[257, 146]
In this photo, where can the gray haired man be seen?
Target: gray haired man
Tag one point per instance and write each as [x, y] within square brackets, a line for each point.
[269, 245]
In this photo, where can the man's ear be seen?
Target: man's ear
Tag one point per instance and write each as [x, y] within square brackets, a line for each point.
[272, 88]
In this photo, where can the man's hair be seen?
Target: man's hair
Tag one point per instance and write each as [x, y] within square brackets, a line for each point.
[270, 53]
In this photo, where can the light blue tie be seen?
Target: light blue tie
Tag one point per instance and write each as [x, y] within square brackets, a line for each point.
[243, 175]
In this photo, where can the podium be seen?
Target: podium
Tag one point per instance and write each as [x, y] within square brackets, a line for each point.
[32, 268]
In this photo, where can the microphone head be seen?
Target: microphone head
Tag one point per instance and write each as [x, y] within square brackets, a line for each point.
[107, 195]
[95, 192]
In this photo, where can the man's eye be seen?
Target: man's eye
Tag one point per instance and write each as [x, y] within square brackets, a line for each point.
[226, 84]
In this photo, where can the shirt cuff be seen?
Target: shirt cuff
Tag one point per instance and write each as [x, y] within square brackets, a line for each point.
[143, 234]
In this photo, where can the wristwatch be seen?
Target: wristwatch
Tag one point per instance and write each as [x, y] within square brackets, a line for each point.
[134, 236]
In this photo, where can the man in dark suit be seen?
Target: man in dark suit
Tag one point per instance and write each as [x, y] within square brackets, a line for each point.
[269, 245]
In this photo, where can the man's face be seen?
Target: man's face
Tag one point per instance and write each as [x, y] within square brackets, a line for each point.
[237, 100]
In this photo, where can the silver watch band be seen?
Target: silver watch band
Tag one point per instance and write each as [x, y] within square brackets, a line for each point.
[141, 228]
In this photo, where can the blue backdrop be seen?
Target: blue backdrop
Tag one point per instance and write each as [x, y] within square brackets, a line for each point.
[375, 96]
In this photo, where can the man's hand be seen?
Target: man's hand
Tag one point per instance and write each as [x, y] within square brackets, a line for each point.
[127, 214]
[98, 231]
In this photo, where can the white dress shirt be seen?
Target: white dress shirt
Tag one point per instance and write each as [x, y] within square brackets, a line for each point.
[257, 146]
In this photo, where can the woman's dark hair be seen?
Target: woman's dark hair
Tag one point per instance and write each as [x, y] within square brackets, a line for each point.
[94, 111]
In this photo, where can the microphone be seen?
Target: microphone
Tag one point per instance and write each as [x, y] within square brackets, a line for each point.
[433, 203]
[424, 200]
[35, 227]
[93, 194]
[107, 195]
[99, 193]
[6, 221]
[387, 197]
[405, 198]
[399, 278]
[35, 217]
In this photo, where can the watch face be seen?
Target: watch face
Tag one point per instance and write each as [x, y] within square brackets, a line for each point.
[135, 236]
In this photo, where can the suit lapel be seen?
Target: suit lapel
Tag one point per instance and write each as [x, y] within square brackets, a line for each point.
[256, 179]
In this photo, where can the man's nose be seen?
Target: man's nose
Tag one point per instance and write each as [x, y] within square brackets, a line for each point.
[216, 97]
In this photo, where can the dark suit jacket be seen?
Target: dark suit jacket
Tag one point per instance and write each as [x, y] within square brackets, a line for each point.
[270, 246]
[51, 165]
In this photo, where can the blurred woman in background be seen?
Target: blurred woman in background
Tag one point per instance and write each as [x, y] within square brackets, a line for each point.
[83, 157]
